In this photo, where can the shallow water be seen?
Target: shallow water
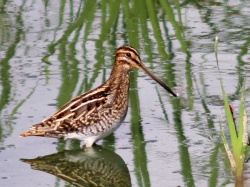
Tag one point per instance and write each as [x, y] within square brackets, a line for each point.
[51, 52]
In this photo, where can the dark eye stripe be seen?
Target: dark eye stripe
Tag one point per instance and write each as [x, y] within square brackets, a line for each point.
[121, 54]
[136, 62]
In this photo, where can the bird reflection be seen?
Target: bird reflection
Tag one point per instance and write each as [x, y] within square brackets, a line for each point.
[95, 166]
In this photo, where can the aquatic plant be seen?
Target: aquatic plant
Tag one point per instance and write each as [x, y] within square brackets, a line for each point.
[238, 133]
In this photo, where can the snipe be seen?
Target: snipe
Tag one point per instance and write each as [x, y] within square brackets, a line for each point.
[99, 112]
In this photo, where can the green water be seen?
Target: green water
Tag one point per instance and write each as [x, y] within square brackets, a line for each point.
[52, 51]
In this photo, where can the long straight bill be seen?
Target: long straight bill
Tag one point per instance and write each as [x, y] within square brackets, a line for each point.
[147, 71]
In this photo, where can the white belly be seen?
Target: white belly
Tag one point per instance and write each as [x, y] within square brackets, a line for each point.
[89, 138]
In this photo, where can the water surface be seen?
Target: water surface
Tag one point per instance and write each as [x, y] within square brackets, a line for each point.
[53, 51]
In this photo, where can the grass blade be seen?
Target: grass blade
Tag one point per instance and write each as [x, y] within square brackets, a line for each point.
[228, 151]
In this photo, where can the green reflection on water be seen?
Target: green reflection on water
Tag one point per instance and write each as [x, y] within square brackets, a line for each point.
[5, 68]
[126, 22]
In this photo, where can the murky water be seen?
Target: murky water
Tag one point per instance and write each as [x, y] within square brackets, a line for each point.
[52, 51]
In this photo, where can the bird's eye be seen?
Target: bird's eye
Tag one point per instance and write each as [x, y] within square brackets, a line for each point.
[128, 55]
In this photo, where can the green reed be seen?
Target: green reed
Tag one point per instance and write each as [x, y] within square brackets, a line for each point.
[238, 133]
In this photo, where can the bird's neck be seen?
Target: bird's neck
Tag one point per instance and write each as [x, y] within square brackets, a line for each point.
[119, 79]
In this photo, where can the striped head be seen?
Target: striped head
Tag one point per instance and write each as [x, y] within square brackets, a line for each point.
[129, 58]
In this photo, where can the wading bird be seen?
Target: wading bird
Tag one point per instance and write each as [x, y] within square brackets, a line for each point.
[98, 112]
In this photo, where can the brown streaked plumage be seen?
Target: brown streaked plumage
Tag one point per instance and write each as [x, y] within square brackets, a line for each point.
[99, 112]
